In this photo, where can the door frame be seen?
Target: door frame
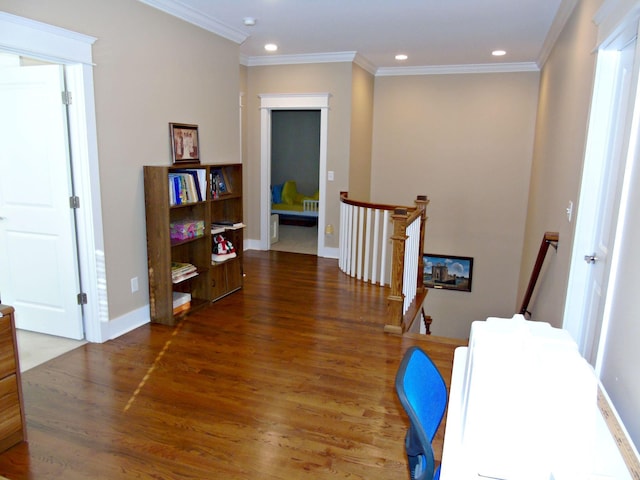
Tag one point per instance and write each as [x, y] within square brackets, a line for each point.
[613, 37]
[269, 102]
[27, 37]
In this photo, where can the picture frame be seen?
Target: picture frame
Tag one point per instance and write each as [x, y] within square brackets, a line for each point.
[449, 272]
[185, 143]
[219, 183]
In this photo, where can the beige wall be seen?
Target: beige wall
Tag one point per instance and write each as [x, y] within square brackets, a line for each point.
[466, 142]
[565, 96]
[332, 78]
[361, 134]
[244, 94]
[151, 69]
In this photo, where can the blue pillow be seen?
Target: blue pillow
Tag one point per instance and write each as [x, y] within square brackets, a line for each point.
[276, 193]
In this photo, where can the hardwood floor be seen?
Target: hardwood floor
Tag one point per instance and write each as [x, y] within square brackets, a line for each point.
[290, 378]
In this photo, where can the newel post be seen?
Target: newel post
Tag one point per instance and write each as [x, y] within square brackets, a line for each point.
[395, 300]
[421, 204]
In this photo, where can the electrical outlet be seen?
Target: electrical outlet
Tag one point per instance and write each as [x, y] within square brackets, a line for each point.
[134, 284]
[330, 175]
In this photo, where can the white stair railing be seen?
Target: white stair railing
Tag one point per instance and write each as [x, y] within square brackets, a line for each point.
[364, 241]
[410, 271]
[383, 244]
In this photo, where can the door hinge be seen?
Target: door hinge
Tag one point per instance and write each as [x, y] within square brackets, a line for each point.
[74, 202]
[67, 99]
[82, 299]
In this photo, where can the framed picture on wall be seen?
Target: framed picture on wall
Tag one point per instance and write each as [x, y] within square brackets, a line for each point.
[447, 272]
[185, 145]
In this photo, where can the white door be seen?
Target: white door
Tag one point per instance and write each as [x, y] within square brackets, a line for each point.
[605, 161]
[38, 255]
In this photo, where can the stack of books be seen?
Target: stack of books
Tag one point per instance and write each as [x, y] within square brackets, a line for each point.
[182, 271]
[187, 186]
[222, 225]
[181, 302]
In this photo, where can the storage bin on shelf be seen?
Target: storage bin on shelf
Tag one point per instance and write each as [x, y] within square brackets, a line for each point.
[186, 229]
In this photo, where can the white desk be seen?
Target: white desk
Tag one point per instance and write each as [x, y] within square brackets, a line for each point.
[523, 406]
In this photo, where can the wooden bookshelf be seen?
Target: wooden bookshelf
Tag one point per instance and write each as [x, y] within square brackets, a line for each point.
[227, 276]
[164, 211]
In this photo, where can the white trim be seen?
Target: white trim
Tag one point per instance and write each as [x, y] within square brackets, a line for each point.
[458, 69]
[331, 252]
[28, 37]
[87, 188]
[292, 101]
[365, 63]
[613, 17]
[596, 149]
[562, 16]
[252, 244]
[330, 57]
[310, 101]
[35, 39]
[355, 57]
[611, 121]
[126, 323]
[197, 18]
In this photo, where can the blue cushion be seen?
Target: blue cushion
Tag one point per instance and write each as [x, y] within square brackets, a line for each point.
[276, 193]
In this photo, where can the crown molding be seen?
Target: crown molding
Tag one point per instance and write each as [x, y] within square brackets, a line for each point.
[196, 17]
[365, 64]
[331, 57]
[354, 57]
[458, 69]
[560, 20]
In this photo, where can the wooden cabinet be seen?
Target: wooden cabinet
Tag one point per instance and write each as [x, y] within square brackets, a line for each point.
[12, 420]
[166, 210]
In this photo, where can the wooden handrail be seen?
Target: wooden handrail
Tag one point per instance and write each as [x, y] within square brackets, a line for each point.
[549, 238]
[344, 198]
[364, 241]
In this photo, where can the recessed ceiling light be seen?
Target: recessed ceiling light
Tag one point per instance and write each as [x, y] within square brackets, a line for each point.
[498, 53]
[271, 47]
[401, 56]
[249, 21]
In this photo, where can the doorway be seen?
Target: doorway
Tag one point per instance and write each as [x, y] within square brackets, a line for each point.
[295, 160]
[47, 43]
[610, 148]
[270, 103]
[38, 258]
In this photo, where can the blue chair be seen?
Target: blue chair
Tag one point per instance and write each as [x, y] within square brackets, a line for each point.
[423, 395]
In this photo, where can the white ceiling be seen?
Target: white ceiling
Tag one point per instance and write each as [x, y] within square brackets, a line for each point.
[433, 33]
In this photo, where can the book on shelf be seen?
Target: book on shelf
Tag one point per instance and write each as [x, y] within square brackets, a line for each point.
[187, 186]
[222, 225]
[181, 298]
[180, 267]
[182, 308]
[182, 271]
[182, 278]
[220, 184]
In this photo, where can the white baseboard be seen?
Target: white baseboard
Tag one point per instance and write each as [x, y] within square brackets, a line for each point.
[124, 324]
[329, 252]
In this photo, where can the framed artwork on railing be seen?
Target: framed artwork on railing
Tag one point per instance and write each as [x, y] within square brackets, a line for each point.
[447, 272]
